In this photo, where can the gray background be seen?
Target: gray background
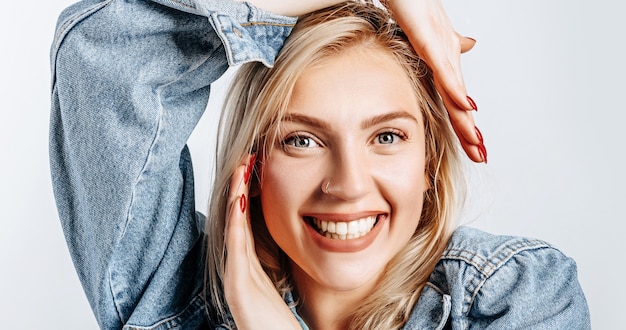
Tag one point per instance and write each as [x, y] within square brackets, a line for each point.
[548, 80]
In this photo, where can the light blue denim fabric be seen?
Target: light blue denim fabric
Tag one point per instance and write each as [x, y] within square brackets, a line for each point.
[485, 281]
[130, 81]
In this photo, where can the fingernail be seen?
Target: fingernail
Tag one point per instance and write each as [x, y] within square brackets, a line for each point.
[479, 135]
[483, 152]
[242, 203]
[472, 103]
[472, 39]
[249, 169]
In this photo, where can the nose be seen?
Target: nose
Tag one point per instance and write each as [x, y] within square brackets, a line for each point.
[348, 175]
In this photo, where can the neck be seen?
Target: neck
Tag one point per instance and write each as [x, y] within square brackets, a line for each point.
[325, 308]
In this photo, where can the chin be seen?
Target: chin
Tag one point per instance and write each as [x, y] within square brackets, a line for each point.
[347, 277]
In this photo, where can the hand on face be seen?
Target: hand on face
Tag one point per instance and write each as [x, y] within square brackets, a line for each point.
[250, 294]
[434, 39]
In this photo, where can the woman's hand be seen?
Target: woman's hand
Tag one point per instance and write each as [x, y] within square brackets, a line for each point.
[434, 39]
[250, 294]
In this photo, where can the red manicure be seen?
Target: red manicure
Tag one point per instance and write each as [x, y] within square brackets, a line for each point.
[472, 103]
[242, 203]
[249, 168]
[479, 135]
[483, 152]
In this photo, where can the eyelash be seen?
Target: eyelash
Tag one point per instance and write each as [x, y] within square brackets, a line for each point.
[291, 139]
[393, 132]
[287, 142]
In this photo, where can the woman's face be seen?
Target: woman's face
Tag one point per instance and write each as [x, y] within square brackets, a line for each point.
[353, 123]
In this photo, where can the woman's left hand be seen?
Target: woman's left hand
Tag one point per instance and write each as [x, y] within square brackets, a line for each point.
[251, 296]
[434, 39]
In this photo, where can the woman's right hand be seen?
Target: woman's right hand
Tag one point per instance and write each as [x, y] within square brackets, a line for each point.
[252, 298]
[434, 39]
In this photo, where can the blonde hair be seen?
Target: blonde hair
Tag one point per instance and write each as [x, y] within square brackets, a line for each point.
[256, 104]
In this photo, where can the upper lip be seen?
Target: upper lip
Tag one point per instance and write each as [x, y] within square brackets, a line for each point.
[343, 217]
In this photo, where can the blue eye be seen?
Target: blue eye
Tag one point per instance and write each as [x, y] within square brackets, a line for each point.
[386, 138]
[300, 142]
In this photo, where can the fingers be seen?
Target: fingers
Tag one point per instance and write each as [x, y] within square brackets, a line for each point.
[434, 39]
[237, 232]
[476, 153]
[466, 43]
[449, 84]
[463, 124]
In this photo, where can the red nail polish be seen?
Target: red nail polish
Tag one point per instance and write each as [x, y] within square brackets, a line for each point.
[479, 135]
[472, 103]
[249, 168]
[483, 152]
[242, 203]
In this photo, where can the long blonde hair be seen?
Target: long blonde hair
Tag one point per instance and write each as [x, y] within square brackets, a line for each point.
[256, 104]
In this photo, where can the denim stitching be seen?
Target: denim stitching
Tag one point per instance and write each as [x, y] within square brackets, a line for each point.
[488, 267]
[180, 3]
[266, 24]
[64, 29]
[173, 321]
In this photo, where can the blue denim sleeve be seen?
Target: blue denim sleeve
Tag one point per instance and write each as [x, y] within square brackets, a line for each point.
[536, 288]
[130, 81]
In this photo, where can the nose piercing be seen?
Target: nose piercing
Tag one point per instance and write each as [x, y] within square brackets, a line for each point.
[325, 188]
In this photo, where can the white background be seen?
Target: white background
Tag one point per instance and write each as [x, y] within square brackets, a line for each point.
[548, 79]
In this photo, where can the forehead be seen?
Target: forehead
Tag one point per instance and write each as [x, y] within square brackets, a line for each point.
[356, 81]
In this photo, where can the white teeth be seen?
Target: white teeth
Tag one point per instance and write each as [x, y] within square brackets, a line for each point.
[353, 228]
[345, 230]
[341, 228]
[331, 227]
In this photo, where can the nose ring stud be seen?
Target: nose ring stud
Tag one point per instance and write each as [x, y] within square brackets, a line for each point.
[325, 188]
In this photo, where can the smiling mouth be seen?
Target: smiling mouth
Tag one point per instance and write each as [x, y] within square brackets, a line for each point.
[342, 230]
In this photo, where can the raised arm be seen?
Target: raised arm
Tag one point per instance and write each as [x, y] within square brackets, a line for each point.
[435, 40]
[130, 82]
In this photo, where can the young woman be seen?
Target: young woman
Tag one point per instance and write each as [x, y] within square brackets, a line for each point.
[344, 185]
[130, 81]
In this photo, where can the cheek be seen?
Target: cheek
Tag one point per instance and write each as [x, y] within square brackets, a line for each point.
[403, 185]
[284, 188]
[290, 180]
[405, 175]
[273, 192]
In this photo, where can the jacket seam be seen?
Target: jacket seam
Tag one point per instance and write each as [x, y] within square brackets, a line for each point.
[172, 321]
[502, 264]
[488, 266]
[64, 28]
[180, 3]
[266, 24]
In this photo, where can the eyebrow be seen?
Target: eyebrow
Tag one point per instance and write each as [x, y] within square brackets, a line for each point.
[306, 120]
[314, 122]
[388, 117]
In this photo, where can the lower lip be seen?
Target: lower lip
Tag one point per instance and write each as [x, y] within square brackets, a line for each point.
[348, 245]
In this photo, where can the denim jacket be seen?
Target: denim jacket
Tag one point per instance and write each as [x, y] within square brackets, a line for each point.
[131, 79]
[484, 281]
